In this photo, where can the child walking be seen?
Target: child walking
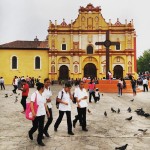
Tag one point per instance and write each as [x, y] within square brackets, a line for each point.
[97, 95]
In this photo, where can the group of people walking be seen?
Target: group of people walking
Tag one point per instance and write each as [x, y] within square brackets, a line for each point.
[64, 98]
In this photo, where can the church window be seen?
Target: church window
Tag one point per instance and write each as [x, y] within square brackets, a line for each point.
[118, 47]
[37, 62]
[89, 49]
[14, 62]
[63, 46]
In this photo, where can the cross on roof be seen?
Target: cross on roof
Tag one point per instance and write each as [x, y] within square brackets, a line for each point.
[107, 43]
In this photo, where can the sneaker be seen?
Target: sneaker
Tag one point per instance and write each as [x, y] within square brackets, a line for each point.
[30, 135]
[41, 144]
[46, 134]
[71, 133]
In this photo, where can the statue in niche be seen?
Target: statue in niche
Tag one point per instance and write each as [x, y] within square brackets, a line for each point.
[76, 69]
[52, 68]
[90, 38]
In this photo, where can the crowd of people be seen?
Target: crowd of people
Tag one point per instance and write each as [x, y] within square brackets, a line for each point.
[43, 96]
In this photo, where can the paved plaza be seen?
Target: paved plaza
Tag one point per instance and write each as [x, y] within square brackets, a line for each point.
[105, 133]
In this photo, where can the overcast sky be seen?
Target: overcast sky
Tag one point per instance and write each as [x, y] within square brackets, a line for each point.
[25, 19]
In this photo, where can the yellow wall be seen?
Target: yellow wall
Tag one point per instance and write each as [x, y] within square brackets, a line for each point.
[25, 64]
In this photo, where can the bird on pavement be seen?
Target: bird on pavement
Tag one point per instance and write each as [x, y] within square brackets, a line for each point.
[89, 111]
[132, 100]
[143, 130]
[105, 113]
[130, 118]
[122, 147]
[118, 110]
[102, 94]
[129, 109]
[113, 110]
[6, 95]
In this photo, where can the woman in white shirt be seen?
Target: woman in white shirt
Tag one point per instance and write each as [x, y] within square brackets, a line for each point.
[38, 122]
[47, 94]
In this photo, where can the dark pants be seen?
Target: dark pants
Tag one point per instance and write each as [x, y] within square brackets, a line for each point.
[82, 116]
[90, 95]
[2, 86]
[77, 118]
[23, 102]
[38, 123]
[59, 119]
[145, 86]
[97, 99]
[119, 91]
[15, 88]
[49, 121]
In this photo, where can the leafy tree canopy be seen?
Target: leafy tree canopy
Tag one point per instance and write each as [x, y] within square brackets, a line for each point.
[143, 62]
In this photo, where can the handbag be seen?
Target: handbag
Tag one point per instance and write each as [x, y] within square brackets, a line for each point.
[28, 112]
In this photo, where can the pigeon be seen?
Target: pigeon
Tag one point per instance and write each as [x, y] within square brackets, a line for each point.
[6, 95]
[122, 147]
[139, 134]
[143, 130]
[11, 94]
[105, 113]
[89, 111]
[102, 94]
[132, 100]
[113, 110]
[129, 109]
[146, 114]
[130, 118]
[118, 110]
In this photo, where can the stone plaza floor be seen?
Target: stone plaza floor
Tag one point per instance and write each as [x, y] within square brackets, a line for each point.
[105, 133]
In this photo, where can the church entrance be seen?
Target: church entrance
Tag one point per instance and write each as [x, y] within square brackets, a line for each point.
[118, 72]
[90, 70]
[63, 72]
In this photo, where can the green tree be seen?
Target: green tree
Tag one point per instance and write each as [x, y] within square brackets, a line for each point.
[143, 62]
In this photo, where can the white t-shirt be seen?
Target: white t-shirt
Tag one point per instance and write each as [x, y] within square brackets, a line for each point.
[65, 98]
[97, 94]
[40, 101]
[80, 94]
[47, 94]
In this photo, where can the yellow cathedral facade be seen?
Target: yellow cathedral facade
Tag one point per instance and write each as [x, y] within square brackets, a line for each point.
[69, 50]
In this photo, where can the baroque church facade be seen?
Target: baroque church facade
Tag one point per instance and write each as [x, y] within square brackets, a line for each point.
[70, 51]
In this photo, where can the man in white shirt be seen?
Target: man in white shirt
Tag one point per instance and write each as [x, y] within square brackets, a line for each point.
[64, 99]
[81, 97]
[145, 84]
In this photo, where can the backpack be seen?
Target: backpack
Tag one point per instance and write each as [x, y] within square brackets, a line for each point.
[57, 103]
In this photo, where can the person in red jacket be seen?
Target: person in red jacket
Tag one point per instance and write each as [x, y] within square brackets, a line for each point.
[25, 91]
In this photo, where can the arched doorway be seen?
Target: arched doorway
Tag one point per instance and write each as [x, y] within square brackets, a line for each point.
[63, 72]
[118, 72]
[90, 70]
